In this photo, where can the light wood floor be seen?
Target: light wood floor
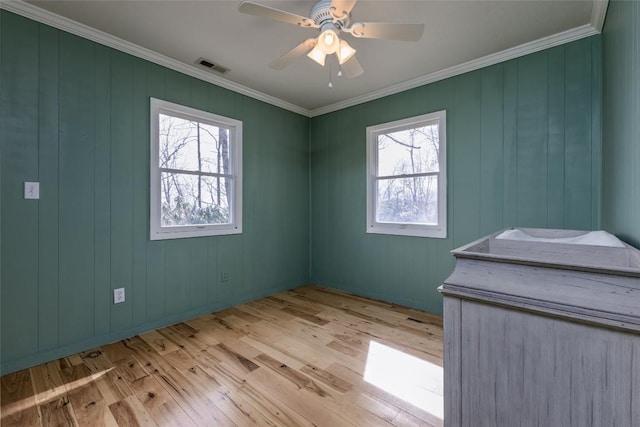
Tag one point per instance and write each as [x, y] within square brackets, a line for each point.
[309, 356]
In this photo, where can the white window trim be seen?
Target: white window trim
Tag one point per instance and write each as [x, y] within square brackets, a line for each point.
[157, 232]
[407, 229]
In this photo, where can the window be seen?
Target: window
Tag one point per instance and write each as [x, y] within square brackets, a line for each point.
[196, 173]
[407, 177]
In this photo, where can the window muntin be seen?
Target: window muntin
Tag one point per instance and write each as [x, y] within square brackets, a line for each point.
[406, 185]
[196, 172]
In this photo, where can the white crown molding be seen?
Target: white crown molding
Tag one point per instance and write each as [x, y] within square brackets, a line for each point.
[40, 15]
[27, 10]
[598, 13]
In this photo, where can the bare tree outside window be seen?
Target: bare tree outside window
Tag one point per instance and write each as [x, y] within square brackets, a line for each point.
[408, 182]
[195, 172]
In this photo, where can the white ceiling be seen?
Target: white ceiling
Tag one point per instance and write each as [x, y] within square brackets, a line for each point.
[456, 32]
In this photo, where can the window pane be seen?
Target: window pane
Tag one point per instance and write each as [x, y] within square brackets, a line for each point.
[408, 200]
[409, 151]
[214, 149]
[192, 146]
[178, 143]
[192, 199]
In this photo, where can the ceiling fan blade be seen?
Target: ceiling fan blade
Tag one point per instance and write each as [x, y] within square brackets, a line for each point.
[342, 7]
[275, 14]
[293, 54]
[387, 30]
[352, 68]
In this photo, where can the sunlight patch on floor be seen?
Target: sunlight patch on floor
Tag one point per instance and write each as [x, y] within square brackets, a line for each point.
[36, 399]
[407, 377]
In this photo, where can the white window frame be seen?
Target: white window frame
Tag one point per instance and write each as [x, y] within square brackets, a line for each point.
[407, 229]
[157, 231]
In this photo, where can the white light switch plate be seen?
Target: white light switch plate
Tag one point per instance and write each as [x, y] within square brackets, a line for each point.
[32, 190]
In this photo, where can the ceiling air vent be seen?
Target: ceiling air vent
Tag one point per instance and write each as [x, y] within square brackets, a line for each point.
[210, 65]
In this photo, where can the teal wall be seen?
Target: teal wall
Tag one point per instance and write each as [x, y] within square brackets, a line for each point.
[621, 121]
[74, 115]
[523, 150]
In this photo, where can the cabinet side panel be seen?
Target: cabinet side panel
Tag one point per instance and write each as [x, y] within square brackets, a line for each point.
[520, 369]
[452, 348]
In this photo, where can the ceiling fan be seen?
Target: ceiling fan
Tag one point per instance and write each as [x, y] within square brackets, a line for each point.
[332, 18]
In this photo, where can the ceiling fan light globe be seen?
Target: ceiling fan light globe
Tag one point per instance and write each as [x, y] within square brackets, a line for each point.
[345, 52]
[317, 55]
[329, 41]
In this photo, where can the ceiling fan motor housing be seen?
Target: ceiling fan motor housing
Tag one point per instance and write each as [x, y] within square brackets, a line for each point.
[322, 14]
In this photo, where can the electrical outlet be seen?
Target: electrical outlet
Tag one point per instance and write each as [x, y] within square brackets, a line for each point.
[224, 276]
[118, 295]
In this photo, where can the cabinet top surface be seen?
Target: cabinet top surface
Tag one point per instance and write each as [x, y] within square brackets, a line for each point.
[562, 249]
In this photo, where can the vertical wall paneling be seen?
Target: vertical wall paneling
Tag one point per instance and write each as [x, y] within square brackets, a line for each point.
[19, 299]
[596, 129]
[75, 116]
[177, 292]
[103, 296]
[531, 209]
[578, 146]
[230, 261]
[519, 145]
[621, 120]
[319, 196]
[555, 135]
[76, 189]
[48, 177]
[198, 253]
[255, 141]
[140, 184]
[491, 150]
[121, 185]
[509, 143]
[463, 150]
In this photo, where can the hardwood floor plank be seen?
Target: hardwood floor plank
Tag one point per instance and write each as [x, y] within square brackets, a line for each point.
[89, 406]
[111, 383]
[56, 412]
[149, 392]
[17, 400]
[308, 317]
[47, 382]
[159, 342]
[279, 413]
[244, 315]
[228, 355]
[327, 378]
[270, 384]
[376, 406]
[239, 411]
[129, 412]
[296, 378]
[273, 352]
[298, 358]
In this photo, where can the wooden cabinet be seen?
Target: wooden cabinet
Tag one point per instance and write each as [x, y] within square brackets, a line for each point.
[542, 334]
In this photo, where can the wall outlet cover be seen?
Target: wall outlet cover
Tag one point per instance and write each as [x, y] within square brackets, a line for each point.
[118, 295]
